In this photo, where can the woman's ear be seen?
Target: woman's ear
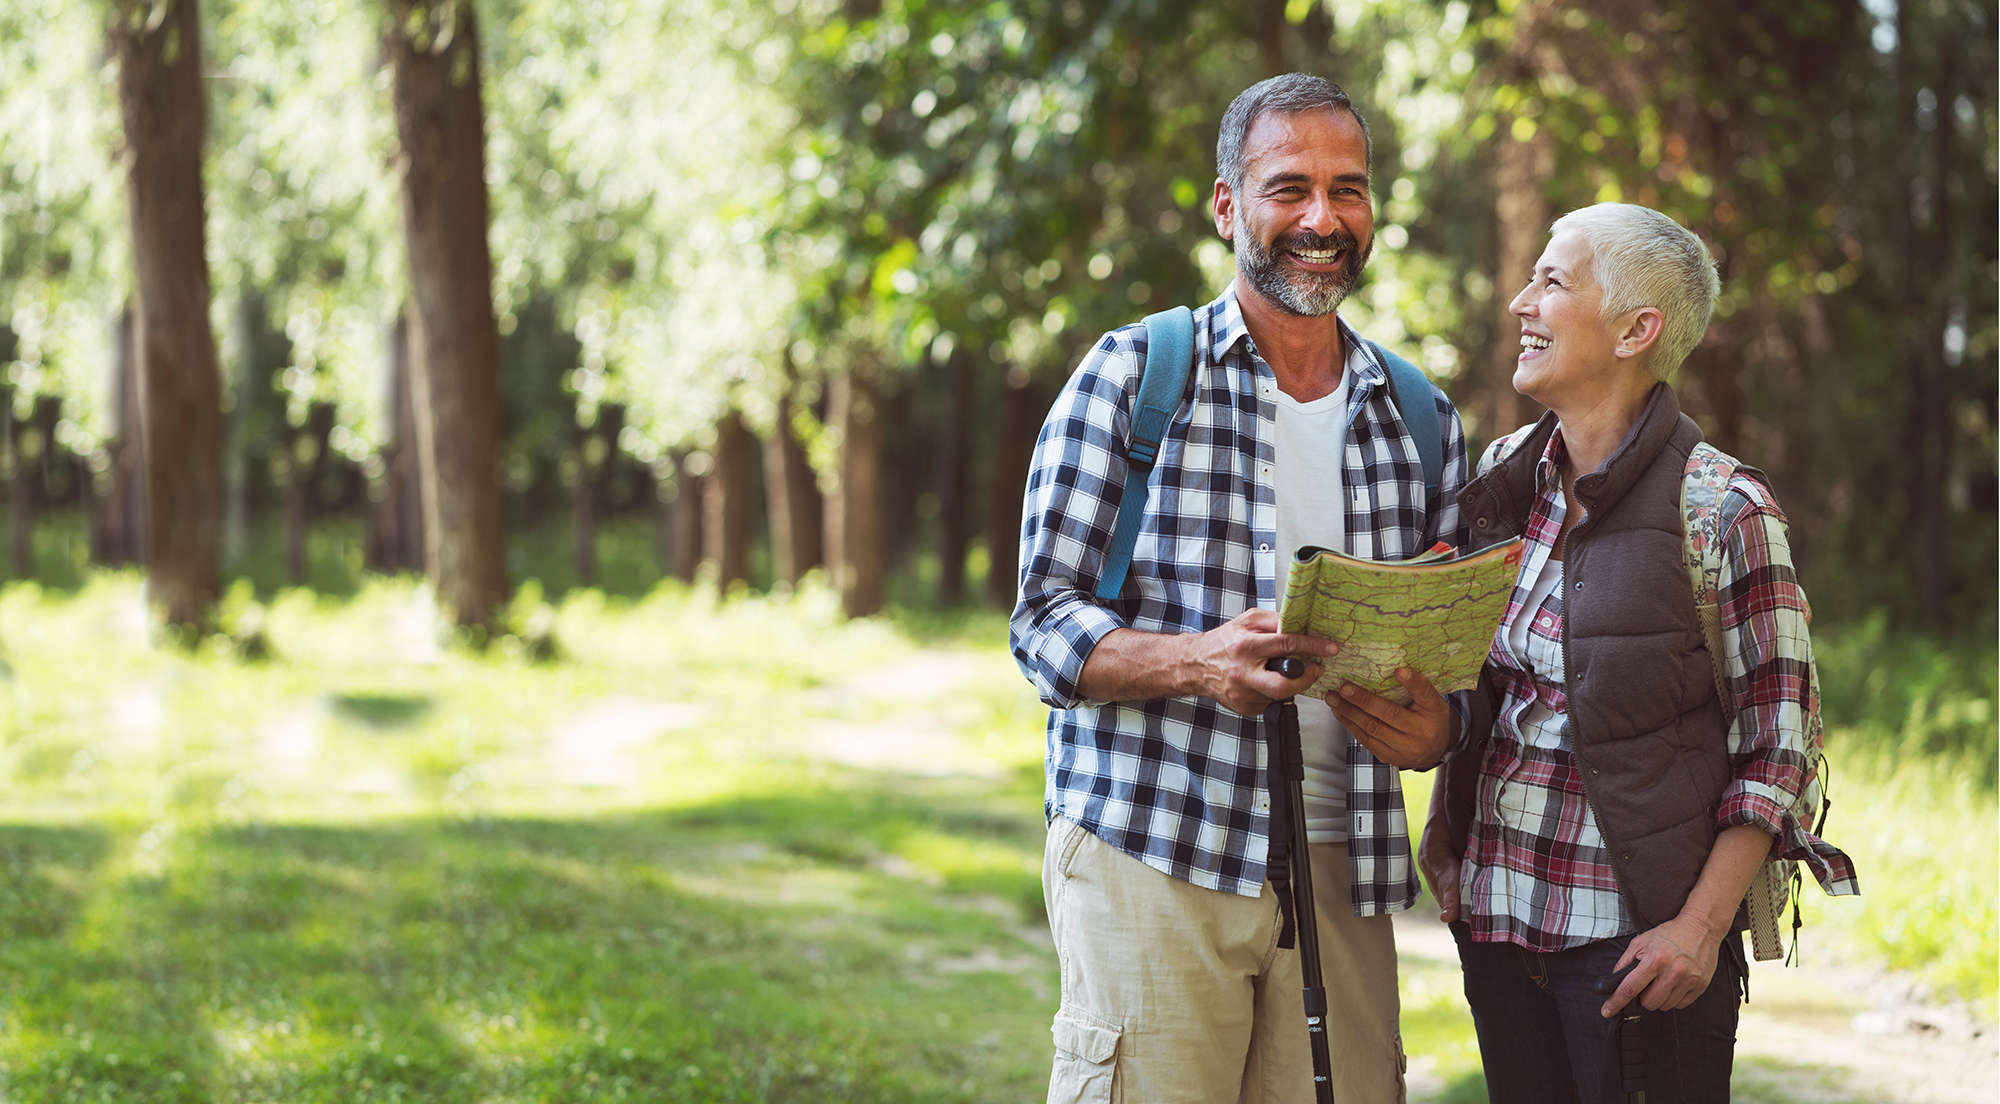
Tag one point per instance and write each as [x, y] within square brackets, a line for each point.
[1639, 330]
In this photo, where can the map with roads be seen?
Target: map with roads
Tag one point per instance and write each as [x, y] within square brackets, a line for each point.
[1434, 614]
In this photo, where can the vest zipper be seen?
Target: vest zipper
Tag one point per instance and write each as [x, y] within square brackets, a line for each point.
[1613, 850]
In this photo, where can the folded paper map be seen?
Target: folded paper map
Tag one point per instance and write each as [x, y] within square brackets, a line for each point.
[1435, 614]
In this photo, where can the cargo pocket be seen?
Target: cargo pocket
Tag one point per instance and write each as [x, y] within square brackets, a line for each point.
[1402, 1071]
[1086, 1058]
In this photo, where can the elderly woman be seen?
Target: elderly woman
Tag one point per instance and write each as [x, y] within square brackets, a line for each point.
[1619, 808]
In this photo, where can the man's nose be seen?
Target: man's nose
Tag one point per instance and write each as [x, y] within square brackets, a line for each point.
[1319, 216]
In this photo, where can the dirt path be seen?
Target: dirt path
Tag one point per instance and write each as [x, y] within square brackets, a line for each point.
[1818, 1034]
[1812, 1034]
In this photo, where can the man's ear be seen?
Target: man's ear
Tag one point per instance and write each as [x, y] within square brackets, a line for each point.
[1639, 330]
[1225, 211]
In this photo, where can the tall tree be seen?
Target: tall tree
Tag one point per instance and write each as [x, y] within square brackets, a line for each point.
[854, 546]
[163, 104]
[727, 504]
[433, 48]
[790, 495]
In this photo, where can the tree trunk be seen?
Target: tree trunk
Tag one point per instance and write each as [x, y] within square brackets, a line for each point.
[1021, 414]
[397, 543]
[685, 509]
[1521, 217]
[124, 507]
[20, 493]
[954, 530]
[1930, 395]
[791, 496]
[727, 501]
[854, 509]
[584, 500]
[905, 458]
[433, 47]
[298, 484]
[163, 104]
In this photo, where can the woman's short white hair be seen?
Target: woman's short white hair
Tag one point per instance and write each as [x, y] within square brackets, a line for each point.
[1641, 258]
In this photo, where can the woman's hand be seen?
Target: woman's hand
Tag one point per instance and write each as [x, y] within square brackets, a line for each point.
[1675, 962]
[1434, 853]
[1440, 868]
[1677, 958]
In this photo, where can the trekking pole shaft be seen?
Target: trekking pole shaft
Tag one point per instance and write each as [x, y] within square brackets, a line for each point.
[1303, 905]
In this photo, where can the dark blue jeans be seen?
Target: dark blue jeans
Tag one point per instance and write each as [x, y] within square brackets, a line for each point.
[1542, 1041]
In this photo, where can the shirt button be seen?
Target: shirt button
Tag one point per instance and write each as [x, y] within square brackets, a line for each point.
[1263, 548]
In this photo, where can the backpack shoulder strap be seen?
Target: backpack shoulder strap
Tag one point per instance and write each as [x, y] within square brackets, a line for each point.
[1169, 362]
[1702, 486]
[1412, 390]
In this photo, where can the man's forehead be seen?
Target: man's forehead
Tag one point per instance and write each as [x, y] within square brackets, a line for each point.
[1309, 135]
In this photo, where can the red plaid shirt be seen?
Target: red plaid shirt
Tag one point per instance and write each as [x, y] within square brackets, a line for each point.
[1536, 873]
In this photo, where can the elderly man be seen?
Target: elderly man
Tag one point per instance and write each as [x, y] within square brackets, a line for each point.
[1157, 871]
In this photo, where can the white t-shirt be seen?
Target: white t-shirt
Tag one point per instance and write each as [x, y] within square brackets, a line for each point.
[1311, 438]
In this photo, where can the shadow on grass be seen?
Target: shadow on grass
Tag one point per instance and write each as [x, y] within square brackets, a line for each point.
[755, 949]
[383, 710]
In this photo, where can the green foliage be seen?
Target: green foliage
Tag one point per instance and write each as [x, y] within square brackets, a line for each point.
[1904, 697]
[63, 246]
[700, 206]
[304, 226]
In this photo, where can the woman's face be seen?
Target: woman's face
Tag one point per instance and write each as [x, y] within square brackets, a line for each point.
[1568, 350]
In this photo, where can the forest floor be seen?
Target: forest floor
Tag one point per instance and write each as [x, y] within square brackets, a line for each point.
[1832, 1030]
[716, 851]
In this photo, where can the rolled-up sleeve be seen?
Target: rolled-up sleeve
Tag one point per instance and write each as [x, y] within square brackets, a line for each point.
[1767, 663]
[1075, 480]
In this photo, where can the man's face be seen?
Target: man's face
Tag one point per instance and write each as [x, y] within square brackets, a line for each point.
[1304, 226]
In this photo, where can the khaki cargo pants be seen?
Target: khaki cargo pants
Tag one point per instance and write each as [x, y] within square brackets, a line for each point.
[1172, 992]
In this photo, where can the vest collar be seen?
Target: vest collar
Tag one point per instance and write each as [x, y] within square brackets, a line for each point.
[1642, 443]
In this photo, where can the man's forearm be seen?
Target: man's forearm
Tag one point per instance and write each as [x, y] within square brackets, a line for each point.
[1129, 665]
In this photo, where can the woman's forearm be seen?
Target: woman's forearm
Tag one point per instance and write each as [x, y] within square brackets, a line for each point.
[1733, 861]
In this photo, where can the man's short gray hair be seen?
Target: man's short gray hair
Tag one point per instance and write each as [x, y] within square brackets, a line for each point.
[1641, 258]
[1288, 95]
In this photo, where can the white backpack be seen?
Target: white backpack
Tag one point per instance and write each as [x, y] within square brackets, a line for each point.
[1702, 487]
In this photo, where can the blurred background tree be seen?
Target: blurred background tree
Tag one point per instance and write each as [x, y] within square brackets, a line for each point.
[791, 283]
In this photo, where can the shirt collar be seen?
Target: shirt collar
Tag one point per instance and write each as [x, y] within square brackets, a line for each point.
[1548, 470]
[1227, 329]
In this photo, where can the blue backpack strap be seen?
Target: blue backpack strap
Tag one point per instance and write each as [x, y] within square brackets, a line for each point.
[1169, 361]
[1420, 414]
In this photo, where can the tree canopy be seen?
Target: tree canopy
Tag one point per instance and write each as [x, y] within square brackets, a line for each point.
[700, 208]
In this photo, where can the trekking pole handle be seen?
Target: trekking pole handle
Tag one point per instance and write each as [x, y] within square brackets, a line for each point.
[1289, 666]
[1609, 983]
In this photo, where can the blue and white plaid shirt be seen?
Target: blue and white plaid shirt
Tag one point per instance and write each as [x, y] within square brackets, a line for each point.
[1181, 783]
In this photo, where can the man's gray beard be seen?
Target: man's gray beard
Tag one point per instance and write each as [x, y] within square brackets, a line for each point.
[1310, 294]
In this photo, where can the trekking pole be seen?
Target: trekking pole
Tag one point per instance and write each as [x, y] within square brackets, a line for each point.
[1631, 1043]
[1290, 759]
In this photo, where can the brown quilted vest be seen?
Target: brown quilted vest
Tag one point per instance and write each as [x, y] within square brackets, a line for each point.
[1648, 733]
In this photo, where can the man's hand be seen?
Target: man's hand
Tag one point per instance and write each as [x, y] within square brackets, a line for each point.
[1225, 663]
[1674, 964]
[1229, 661]
[1413, 736]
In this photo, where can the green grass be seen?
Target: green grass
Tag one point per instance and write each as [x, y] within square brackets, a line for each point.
[369, 869]
[346, 874]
